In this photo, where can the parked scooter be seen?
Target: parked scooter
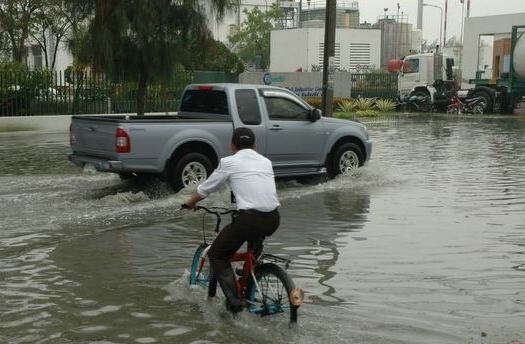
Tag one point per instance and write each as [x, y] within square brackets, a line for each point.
[417, 103]
[474, 105]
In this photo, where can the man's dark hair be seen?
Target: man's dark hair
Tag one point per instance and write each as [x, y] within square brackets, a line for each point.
[243, 138]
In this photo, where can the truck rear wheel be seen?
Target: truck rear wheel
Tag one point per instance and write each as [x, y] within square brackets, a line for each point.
[191, 169]
[347, 157]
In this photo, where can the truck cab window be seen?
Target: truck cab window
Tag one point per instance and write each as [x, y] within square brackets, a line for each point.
[247, 107]
[205, 102]
[284, 109]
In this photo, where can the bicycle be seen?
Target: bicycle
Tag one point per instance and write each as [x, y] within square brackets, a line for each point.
[263, 286]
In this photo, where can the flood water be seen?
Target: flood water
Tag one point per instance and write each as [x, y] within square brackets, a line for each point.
[426, 244]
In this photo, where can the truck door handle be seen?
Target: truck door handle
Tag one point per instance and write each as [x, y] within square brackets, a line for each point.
[276, 127]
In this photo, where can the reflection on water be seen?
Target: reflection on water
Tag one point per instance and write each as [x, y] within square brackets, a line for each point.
[423, 245]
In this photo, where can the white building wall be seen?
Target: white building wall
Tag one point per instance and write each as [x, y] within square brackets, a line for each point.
[499, 26]
[302, 48]
[64, 58]
[63, 55]
[220, 28]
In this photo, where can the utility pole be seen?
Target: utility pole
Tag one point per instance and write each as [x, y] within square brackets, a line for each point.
[329, 58]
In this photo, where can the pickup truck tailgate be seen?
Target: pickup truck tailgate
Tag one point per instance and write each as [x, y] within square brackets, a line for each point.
[94, 137]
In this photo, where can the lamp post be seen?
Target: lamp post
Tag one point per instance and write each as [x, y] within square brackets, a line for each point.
[440, 21]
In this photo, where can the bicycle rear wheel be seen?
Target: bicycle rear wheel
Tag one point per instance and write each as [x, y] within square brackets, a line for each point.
[201, 273]
[273, 293]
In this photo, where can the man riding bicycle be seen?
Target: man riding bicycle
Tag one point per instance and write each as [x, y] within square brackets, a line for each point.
[251, 179]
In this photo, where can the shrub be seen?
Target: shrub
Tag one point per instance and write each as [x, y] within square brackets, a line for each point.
[364, 104]
[337, 102]
[359, 107]
[316, 102]
[347, 105]
[385, 105]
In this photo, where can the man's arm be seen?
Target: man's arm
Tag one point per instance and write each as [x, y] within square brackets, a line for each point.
[215, 180]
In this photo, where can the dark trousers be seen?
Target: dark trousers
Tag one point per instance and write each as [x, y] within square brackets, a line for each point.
[248, 226]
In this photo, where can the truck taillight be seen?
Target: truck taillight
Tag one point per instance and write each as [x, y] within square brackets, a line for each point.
[71, 135]
[123, 143]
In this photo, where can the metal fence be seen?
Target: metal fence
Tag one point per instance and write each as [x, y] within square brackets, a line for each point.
[59, 93]
[372, 85]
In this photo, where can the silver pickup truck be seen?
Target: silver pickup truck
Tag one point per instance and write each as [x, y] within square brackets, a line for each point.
[183, 149]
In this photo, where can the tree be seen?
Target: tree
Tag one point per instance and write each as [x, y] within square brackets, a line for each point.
[211, 55]
[53, 22]
[4, 46]
[141, 40]
[253, 39]
[16, 20]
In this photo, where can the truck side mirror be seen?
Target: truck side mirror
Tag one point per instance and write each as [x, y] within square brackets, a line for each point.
[314, 115]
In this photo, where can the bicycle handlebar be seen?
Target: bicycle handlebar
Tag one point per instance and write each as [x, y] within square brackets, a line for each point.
[217, 211]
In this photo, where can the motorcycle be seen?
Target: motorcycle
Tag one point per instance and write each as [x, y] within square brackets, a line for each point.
[474, 105]
[417, 103]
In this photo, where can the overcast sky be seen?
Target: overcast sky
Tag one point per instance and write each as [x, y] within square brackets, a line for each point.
[370, 10]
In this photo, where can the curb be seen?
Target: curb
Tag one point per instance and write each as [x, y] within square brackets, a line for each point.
[32, 123]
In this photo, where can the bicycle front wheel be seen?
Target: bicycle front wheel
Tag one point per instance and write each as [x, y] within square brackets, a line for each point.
[201, 274]
[272, 293]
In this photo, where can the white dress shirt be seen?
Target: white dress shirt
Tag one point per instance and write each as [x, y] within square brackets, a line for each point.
[250, 177]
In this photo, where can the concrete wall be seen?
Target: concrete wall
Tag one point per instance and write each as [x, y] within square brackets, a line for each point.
[47, 123]
[304, 84]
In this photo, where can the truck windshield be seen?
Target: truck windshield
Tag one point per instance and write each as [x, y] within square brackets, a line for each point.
[411, 65]
[205, 102]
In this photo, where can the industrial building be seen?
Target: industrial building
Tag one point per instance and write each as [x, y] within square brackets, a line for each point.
[303, 50]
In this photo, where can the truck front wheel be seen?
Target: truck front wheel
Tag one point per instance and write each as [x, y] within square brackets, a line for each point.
[191, 169]
[347, 157]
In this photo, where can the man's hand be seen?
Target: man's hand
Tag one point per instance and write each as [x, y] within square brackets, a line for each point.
[189, 205]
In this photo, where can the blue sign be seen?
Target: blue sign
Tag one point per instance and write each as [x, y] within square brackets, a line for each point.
[268, 79]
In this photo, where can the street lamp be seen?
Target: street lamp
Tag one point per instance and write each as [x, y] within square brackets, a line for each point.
[441, 20]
